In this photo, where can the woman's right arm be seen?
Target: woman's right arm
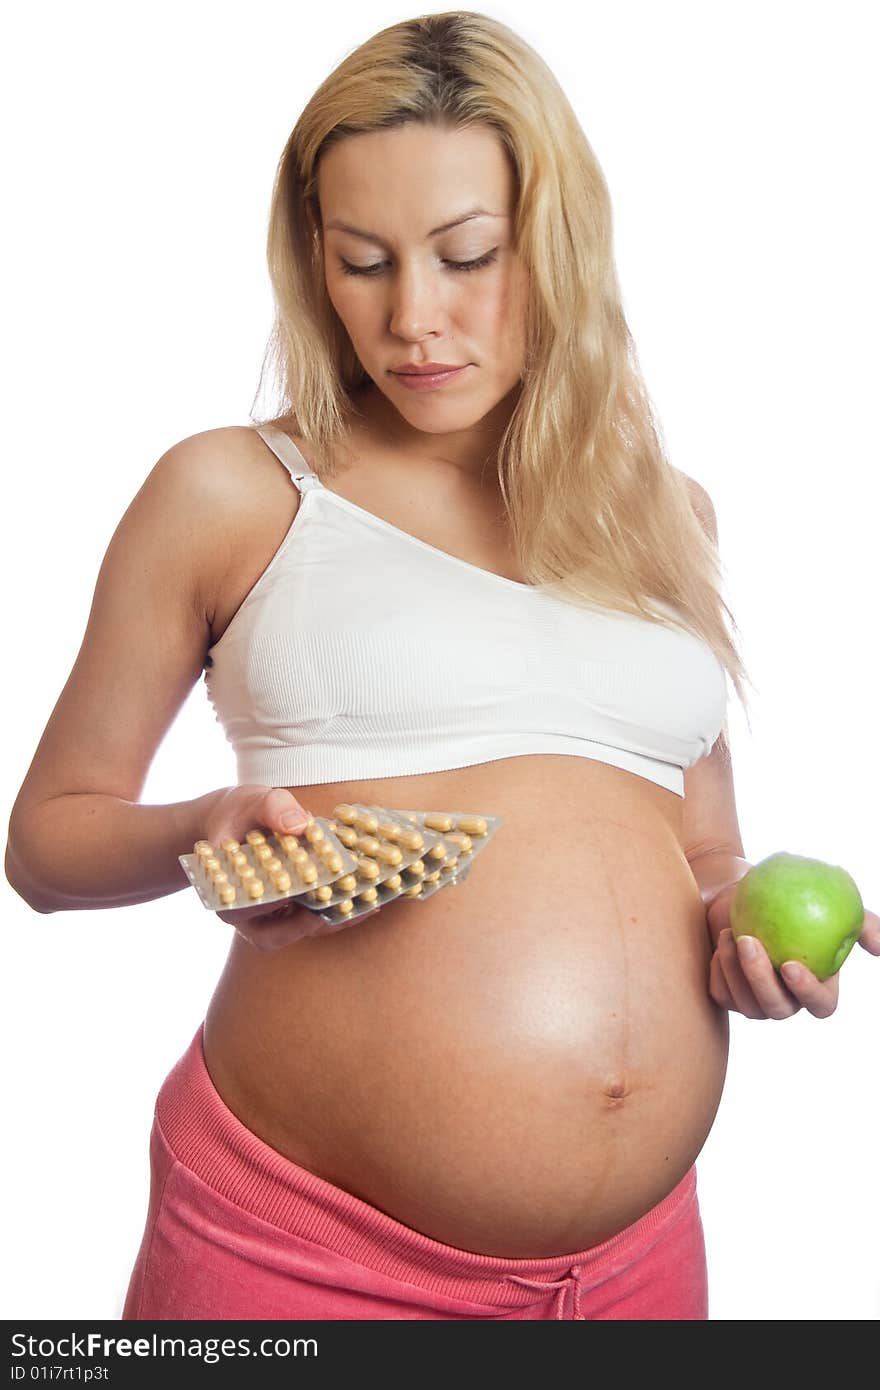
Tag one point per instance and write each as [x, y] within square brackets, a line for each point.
[78, 837]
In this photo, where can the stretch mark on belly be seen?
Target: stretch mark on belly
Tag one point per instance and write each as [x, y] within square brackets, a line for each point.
[616, 1087]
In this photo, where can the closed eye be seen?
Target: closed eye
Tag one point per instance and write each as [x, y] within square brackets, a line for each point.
[453, 265]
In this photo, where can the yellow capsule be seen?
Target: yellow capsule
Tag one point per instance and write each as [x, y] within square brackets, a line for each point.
[247, 873]
[238, 859]
[464, 842]
[203, 847]
[368, 868]
[229, 846]
[389, 854]
[255, 837]
[412, 892]
[369, 895]
[280, 880]
[299, 855]
[393, 882]
[211, 864]
[435, 821]
[313, 833]
[346, 884]
[473, 825]
[323, 894]
[367, 822]
[272, 864]
[412, 839]
[227, 893]
[390, 830]
[368, 844]
[263, 852]
[219, 878]
[307, 872]
[437, 851]
[416, 867]
[432, 878]
[344, 908]
[346, 835]
[330, 857]
[347, 814]
[255, 888]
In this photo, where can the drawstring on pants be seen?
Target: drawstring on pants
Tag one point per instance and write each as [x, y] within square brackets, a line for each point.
[570, 1280]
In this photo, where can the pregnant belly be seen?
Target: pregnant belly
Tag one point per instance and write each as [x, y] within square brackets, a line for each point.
[520, 1066]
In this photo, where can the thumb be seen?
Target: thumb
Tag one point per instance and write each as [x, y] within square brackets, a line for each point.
[870, 937]
[282, 811]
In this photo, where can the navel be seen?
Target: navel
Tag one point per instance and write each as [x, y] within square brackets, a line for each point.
[615, 1089]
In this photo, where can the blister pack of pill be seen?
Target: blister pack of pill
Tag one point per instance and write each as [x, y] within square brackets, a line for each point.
[357, 860]
[393, 855]
[266, 866]
[466, 833]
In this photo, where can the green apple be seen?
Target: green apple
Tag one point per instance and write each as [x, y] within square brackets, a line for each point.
[799, 909]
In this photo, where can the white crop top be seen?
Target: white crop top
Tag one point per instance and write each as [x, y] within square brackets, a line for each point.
[364, 652]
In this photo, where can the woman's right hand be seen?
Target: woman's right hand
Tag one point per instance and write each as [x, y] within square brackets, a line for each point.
[231, 813]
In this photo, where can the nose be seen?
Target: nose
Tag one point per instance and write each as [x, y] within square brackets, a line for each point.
[416, 304]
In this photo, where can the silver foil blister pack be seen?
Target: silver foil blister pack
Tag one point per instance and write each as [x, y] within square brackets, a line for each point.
[344, 867]
[466, 834]
[266, 866]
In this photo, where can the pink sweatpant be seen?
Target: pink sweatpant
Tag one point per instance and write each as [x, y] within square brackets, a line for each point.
[236, 1230]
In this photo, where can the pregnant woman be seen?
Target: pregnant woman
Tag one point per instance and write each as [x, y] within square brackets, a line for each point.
[455, 572]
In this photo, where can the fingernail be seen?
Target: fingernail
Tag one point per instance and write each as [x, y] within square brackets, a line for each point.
[293, 821]
[747, 947]
[791, 972]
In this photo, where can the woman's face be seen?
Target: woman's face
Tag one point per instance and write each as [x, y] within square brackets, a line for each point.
[392, 277]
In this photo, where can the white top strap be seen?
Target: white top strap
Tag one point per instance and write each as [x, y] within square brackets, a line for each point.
[283, 448]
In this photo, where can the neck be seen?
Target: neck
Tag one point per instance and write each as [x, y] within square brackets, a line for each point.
[472, 451]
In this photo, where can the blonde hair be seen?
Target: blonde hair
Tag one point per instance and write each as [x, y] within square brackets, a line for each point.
[596, 512]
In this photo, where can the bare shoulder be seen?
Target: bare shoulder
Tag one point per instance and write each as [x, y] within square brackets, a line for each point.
[230, 485]
[212, 464]
[241, 493]
[200, 502]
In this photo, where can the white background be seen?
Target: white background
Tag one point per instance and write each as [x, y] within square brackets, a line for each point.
[739, 144]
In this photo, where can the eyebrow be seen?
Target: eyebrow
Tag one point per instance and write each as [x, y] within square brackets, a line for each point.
[372, 236]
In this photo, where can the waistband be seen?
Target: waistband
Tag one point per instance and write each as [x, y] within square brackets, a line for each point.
[208, 1139]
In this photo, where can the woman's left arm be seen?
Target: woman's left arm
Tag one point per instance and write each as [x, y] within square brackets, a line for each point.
[741, 974]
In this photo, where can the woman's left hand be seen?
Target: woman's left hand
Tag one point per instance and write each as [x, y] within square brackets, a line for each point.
[749, 985]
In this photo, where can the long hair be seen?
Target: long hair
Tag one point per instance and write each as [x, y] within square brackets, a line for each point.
[597, 513]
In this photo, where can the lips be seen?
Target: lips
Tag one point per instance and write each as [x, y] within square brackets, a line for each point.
[429, 368]
[430, 380]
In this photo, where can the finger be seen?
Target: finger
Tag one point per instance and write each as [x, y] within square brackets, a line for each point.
[870, 937]
[238, 916]
[260, 912]
[773, 998]
[819, 997]
[275, 935]
[758, 992]
[718, 985]
[268, 938]
[280, 803]
[735, 978]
